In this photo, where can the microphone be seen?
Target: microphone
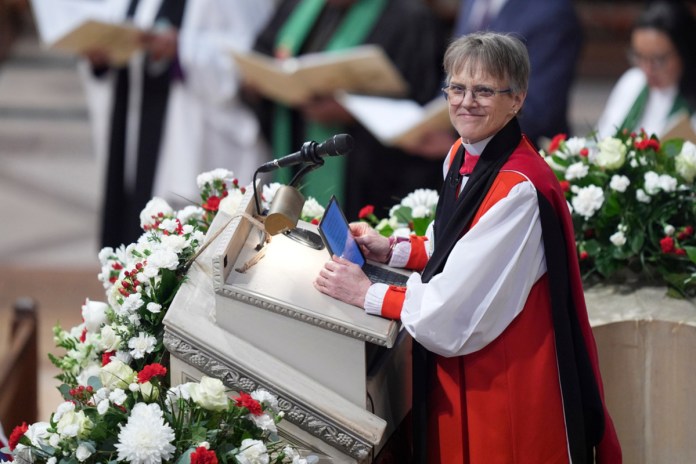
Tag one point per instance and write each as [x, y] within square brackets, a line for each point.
[313, 152]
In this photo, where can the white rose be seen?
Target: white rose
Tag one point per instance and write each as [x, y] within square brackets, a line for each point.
[149, 391]
[74, 424]
[685, 161]
[109, 340]
[588, 200]
[612, 153]
[84, 451]
[618, 238]
[619, 183]
[94, 314]
[209, 394]
[116, 374]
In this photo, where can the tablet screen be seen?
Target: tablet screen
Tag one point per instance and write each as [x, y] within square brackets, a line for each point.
[335, 231]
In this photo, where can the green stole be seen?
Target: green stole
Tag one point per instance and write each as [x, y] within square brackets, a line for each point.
[634, 115]
[352, 31]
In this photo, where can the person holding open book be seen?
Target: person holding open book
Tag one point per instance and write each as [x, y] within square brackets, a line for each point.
[173, 110]
[410, 36]
[505, 364]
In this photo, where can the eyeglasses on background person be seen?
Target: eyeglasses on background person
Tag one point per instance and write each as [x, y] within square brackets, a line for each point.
[455, 94]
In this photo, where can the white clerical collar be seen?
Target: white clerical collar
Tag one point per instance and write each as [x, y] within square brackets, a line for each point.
[475, 149]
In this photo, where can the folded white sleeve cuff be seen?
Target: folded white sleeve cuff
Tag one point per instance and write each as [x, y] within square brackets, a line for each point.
[375, 298]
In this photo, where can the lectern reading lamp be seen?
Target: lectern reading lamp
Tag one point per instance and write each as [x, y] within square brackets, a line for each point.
[286, 207]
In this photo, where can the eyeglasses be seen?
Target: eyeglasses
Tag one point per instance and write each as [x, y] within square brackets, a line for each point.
[455, 93]
[654, 61]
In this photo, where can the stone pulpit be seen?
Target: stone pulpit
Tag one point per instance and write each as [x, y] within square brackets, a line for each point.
[250, 316]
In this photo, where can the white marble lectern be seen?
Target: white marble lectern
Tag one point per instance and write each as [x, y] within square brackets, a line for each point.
[342, 376]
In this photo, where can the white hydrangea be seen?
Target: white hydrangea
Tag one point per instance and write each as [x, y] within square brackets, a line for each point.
[588, 200]
[619, 183]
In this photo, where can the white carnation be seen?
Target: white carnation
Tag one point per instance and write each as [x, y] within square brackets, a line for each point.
[252, 452]
[312, 208]
[669, 230]
[642, 197]
[268, 193]
[264, 397]
[576, 171]
[619, 183]
[588, 200]
[153, 208]
[652, 182]
[190, 212]
[141, 345]
[216, 174]
[94, 314]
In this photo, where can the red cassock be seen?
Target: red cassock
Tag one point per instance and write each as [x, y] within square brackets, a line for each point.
[505, 402]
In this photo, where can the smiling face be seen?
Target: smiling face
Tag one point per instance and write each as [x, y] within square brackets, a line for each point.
[477, 119]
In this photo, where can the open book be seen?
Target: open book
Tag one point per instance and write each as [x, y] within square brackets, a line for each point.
[75, 26]
[396, 122]
[365, 69]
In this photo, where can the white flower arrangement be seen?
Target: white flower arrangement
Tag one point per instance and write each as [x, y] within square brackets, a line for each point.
[118, 405]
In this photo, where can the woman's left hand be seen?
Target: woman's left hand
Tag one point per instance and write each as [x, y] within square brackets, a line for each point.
[343, 280]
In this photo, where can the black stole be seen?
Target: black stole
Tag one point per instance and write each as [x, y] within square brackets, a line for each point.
[121, 223]
[453, 217]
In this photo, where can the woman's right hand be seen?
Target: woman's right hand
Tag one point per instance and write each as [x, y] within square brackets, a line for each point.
[374, 246]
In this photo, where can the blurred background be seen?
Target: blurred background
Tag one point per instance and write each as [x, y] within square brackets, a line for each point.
[51, 181]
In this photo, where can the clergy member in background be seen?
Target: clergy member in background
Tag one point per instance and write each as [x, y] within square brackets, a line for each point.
[173, 111]
[373, 174]
[659, 91]
[505, 364]
[552, 33]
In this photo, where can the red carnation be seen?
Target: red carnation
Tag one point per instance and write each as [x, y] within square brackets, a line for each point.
[556, 142]
[667, 245]
[17, 434]
[366, 211]
[203, 456]
[106, 357]
[212, 203]
[150, 371]
[246, 401]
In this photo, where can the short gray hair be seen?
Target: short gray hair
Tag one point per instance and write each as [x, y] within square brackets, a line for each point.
[502, 56]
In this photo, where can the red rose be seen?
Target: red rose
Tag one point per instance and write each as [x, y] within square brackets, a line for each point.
[212, 203]
[556, 142]
[246, 401]
[16, 435]
[565, 185]
[667, 245]
[366, 211]
[203, 456]
[150, 371]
